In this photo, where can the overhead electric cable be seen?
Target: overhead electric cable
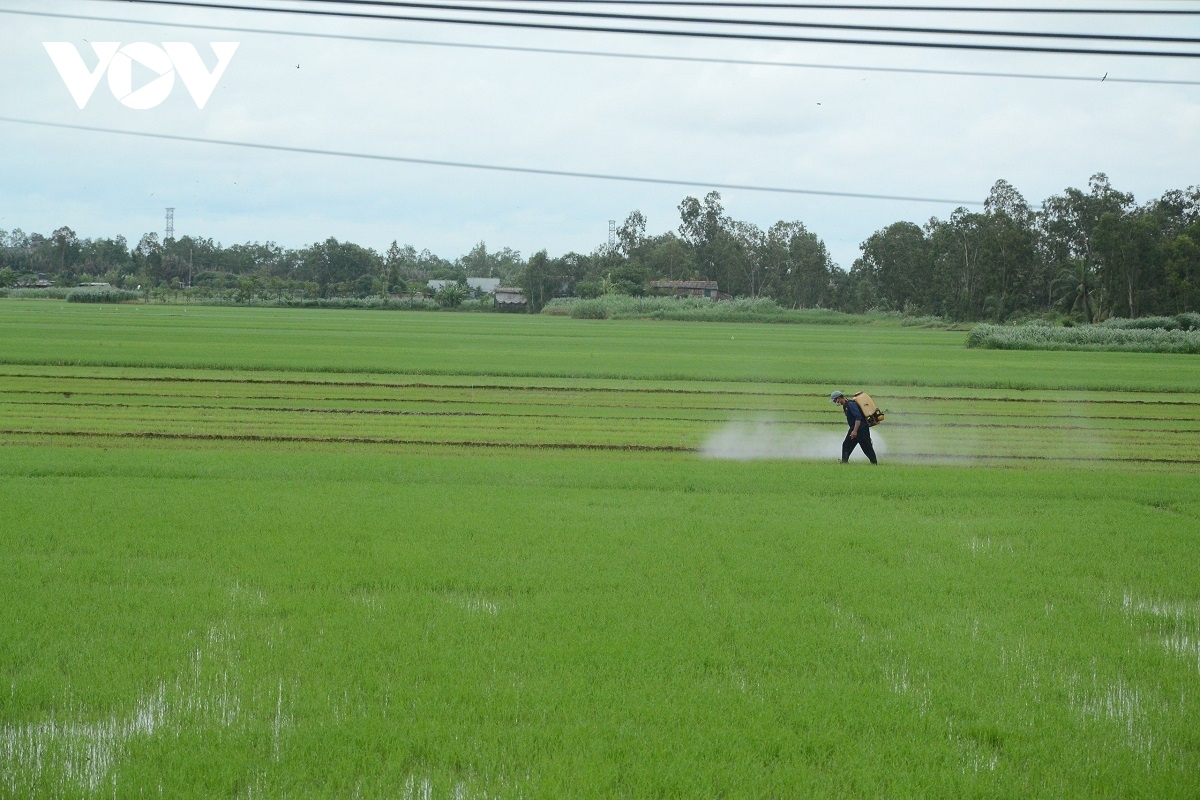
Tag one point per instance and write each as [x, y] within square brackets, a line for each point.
[638, 18]
[882, 8]
[1106, 78]
[720, 35]
[558, 173]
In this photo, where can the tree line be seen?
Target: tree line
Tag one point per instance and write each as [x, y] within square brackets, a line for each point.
[1088, 255]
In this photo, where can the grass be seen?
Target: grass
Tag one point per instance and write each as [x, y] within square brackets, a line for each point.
[693, 309]
[311, 622]
[1130, 336]
[319, 554]
[102, 295]
[536, 346]
[947, 425]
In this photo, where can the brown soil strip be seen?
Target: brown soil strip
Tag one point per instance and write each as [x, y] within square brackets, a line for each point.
[1080, 459]
[620, 390]
[447, 401]
[930, 457]
[220, 437]
[592, 417]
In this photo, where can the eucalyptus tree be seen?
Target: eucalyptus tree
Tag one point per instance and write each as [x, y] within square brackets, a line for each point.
[799, 270]
[745, 259]
[479, 263]
[339, 268]
[897, 261]
[66, 248]
[1178, 213]
[1181, 267]
[147, 259]
[707, 230]
[668, 257]
[955, 246]
[1012, 275]
[540, 280]
[631, 236]
[1070, 222]
[104, 256]
[1129, 249]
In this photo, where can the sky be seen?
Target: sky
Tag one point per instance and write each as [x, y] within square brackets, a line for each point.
[822, 129]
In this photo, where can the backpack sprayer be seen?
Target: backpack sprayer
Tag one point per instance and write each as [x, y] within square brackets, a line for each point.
[870, 410]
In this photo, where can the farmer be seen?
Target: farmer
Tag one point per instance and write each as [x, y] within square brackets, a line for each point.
[860, 431]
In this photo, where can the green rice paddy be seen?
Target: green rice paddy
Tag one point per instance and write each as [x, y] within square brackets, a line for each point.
[292, 553]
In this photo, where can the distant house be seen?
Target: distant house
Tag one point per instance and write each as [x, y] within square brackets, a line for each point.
[484, 285]
[707, 289]
[481, 285]
[96, 285]
[509, 298]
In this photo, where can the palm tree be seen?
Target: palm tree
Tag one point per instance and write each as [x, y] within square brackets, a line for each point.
[1075, 288]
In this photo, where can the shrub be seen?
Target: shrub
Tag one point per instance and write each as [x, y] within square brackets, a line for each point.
[1141, 323]
[52, 293]
[1084, 337]
[101, 296]
[450, 296]
[925, 321]
[698, 309]
[1187, 321]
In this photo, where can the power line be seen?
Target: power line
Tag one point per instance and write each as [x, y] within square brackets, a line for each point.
[611, 54]
[493, 9]
[693, 20]
[720, 35]
[884, 8]
[826, 6]
[492, 167]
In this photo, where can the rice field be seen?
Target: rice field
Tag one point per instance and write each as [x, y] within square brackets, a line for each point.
[294, 553]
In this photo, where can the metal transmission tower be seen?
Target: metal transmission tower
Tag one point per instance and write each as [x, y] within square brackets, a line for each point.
[170, 225]
[612, 234]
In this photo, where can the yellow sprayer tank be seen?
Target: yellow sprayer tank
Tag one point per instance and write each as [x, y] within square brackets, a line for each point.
[870, 410]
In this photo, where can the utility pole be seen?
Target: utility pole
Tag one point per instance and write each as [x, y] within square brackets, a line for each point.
[170, 225]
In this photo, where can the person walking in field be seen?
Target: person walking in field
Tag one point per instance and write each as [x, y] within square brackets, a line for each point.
[860, 432]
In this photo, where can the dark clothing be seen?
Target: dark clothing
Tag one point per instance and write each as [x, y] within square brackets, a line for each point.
[862, 439]
[853, 411]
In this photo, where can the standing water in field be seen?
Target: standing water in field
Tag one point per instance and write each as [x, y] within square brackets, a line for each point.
[742, 441]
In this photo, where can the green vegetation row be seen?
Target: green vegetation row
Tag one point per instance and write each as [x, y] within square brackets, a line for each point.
[1088, 254]
[684, 309]
[539, 346]
[1088, 337]
[1188, 321]
[607, 306]
[714, 419]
